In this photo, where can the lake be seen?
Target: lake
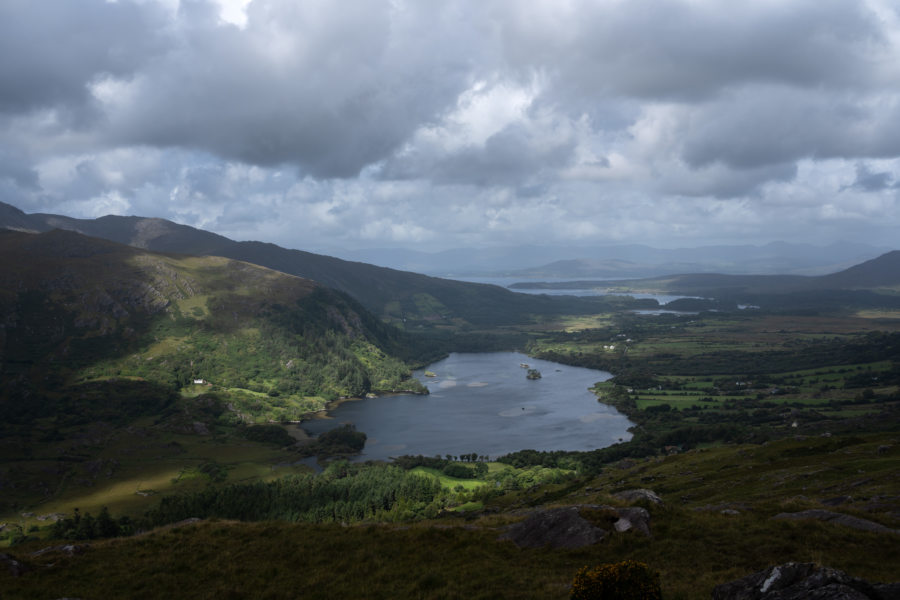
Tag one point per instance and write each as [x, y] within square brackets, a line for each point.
[483, 403]
[594, 290]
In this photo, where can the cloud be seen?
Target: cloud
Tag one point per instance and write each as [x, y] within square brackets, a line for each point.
[869, 181]
[324, 88]
[54, 50]
[458, 123]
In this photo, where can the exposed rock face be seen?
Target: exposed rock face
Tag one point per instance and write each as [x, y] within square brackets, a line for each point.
[556, 528]
[804, 581]
[639, 494]
[633, 517]
[566, 528]
[839, 519]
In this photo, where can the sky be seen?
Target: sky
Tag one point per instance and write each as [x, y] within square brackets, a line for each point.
[483, 123]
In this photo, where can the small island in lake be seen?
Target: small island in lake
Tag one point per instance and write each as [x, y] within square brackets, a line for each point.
[533, 374]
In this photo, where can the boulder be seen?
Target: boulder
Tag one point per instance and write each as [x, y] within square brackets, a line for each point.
[633, 517]
[555, 528]
[803, 581]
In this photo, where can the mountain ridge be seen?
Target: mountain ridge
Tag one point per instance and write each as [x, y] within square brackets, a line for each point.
[880, 274]
[409, 300]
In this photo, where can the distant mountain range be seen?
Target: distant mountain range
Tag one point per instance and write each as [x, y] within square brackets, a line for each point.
[881, 274]
[407, 299]
[623, 261]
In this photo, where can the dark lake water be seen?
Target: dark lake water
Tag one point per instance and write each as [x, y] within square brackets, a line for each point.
[483, 403]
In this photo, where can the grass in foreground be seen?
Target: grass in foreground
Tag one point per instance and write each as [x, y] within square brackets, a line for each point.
[694, 547]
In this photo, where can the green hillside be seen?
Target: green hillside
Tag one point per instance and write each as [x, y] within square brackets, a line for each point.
[79, 310]
[100, 339]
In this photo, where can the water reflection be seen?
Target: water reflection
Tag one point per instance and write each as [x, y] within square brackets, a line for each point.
[483, 403]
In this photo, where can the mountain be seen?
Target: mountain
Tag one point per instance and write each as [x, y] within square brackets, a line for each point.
[89, 318]
[881, 272]
[410, 300]
[875, 282]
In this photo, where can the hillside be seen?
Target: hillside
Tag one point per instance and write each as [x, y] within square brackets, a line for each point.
[77, 309]
[880, 272]
[409, 300]
[145, 369]
[721, 517]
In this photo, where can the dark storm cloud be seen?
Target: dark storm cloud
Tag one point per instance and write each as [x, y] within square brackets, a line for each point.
[870, 181]
[53, 50]
[513, 156]
[327, 89]
[756, 127]
[728, 183]
[686, 50]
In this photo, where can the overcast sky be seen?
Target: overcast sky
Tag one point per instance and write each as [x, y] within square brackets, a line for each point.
[434, 125]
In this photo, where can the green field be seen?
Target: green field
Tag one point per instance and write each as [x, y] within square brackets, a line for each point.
[450, 482]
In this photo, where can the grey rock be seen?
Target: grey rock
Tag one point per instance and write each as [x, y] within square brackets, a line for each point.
[633, 517]
[554, 528]
[838, 519]
[639, 494]
[802, 581]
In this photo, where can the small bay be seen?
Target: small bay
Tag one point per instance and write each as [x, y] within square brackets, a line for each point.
[483, 403]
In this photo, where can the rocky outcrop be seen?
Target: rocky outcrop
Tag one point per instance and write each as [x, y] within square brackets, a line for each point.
[565, 527]
[804, 581]
[837, 519]
[556, 528]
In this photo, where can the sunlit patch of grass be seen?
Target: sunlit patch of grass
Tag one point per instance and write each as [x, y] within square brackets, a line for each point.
[194, 306]
[878, 314]
[163, 347]
[450, 482]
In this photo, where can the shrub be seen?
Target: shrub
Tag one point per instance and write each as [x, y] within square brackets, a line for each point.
[627, 580]
[269, 434]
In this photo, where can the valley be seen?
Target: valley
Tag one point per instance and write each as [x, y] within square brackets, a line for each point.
[155, 388]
